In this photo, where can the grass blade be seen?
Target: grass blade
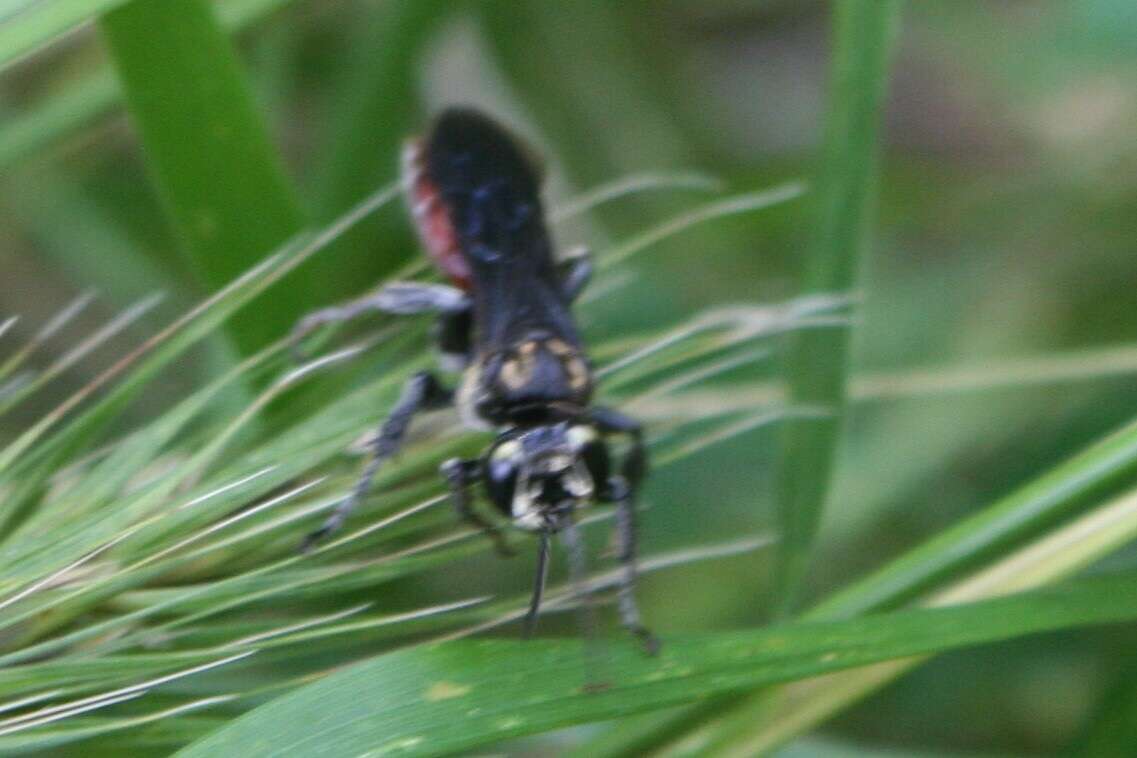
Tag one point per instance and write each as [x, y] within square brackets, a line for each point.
[993, 538]
[455, 696]
[817, 361]
[29, 24]
[215, 168]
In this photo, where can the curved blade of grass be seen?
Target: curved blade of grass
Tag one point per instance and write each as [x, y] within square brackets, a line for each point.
[76, 354]
[193, 326]
[742, 203]
[817, 362]
[629, 185]
[44, 333]
[216, 170]
[1065, 490]
[456, 696]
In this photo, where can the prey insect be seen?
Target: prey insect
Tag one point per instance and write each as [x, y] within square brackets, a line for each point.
[505, 321]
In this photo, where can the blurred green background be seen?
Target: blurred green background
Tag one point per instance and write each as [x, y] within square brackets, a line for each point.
[998, 331]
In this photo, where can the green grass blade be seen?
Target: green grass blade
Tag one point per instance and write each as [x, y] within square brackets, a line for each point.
[451, 697]
[994, 538]
[772, 718]
[817, 362]
[1049, 499]
[377, 106]
[996, 532]
[25, 25]
[215, 168]
[89, 96]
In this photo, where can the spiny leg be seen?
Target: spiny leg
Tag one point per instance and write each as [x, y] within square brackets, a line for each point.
[538, 583]
[622, 493]
[576, 272]
[422, 392]
[398, 298]
[459, 476]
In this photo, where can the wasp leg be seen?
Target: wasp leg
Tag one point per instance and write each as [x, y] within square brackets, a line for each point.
[538, 583]
[422, 392]
[398, 298]
[623, 495]
[460, 475]
[609, 421]
[621, 491]
[576, 272]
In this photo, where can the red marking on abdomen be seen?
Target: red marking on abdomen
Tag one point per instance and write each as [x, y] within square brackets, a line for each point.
[432, 218]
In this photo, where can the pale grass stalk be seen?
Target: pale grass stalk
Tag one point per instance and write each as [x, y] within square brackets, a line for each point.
[630, 185]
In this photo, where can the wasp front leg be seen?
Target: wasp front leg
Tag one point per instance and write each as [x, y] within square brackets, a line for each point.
[422, 392]
[609, 421]
[621, 490]
[459, 475]
[397, 298]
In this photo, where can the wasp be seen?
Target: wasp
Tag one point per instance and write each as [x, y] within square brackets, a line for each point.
[505, 321]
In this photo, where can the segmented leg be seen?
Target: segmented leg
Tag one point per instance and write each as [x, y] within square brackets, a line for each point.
[576, 272]
[459, 475]
[623, 495]
[610, 421]
[538, 583]
[622, 491]
[398, 298]
[422, 392]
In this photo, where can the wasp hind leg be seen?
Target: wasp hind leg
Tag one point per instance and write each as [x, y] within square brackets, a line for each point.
[422, 392]
[397, 298]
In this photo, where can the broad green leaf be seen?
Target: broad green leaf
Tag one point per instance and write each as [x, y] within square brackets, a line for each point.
[434, 700]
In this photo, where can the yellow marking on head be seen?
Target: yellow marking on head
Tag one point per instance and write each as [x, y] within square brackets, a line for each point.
[515, 373]
[559, 347]
[577, 372]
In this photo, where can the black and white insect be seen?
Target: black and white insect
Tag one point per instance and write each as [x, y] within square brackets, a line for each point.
[505, 321]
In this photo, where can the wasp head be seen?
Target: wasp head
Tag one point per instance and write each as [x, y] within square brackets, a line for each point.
[539, 476]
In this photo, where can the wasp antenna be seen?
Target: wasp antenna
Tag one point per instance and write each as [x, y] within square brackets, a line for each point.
[538, 584]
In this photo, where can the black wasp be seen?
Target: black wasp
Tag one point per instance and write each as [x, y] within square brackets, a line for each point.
[474, 195]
